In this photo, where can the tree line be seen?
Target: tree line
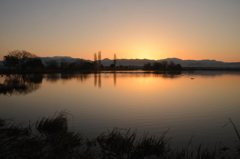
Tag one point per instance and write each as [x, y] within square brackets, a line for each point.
[22, 60]
[163, 66]
[27, 61]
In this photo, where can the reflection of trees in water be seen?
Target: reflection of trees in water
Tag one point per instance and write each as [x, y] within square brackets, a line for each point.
[80, 77]
[115, 77]
[175, 74]
[97, 79]
[20, 84]
[52, 77]
[162, 74]
[147, 74]
[65, 76]
[211, 73]
[26, 83]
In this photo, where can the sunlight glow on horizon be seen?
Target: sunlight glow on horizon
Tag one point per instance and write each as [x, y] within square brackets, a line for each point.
[134, 29]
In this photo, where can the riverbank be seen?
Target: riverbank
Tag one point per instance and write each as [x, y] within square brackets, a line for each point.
[51, 138]
[47, 71]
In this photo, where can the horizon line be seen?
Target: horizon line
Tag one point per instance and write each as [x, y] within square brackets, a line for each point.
[136, 59]
[141, 59]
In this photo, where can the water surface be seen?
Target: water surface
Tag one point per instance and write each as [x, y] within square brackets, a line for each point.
[188, 103]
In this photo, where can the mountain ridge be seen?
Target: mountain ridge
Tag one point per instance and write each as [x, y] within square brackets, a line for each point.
[141, 62]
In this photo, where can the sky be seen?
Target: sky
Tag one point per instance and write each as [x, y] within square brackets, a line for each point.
[152, 29]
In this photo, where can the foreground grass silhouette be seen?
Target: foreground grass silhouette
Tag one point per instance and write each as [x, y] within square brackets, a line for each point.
[53, 139]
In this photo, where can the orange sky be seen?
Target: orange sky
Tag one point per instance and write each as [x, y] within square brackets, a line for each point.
[132, 29]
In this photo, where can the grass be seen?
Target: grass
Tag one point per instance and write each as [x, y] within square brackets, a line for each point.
[53, 139]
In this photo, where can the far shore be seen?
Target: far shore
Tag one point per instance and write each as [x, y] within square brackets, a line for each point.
[44, 71]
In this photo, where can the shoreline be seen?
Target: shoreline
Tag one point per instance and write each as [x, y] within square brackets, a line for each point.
[53, 139]
[18, 71]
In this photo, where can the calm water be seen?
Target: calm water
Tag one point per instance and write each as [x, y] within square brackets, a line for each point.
[188, 104]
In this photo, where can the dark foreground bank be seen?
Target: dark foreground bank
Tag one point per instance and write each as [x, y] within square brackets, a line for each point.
[51, 138]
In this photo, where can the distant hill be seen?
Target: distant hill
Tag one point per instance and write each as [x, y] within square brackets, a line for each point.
[141, 62]
[204, 63]
[183, 63]
[60, 59]
[126, 62]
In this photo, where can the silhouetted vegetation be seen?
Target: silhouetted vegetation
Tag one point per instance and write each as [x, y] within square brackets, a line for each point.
[34, 64]
[78, 65]
[10, 61]
[113, 65]
[97, 66]
[22, 60]
[53, 139]
[25, 62]
[163, 66]
[52, 64]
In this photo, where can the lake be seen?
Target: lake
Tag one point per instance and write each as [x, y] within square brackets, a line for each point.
[187, 104]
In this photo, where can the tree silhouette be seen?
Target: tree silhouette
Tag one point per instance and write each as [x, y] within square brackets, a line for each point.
[99, 60]
[165, 64]
[171, 65]
[95, 61]
[178, 67]
[18, 58]
[64, 64]
[52, 64]
[10, 61]
[157, 66]
[115, 60]
[35, 63]
[147, 66]
[112, 66]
